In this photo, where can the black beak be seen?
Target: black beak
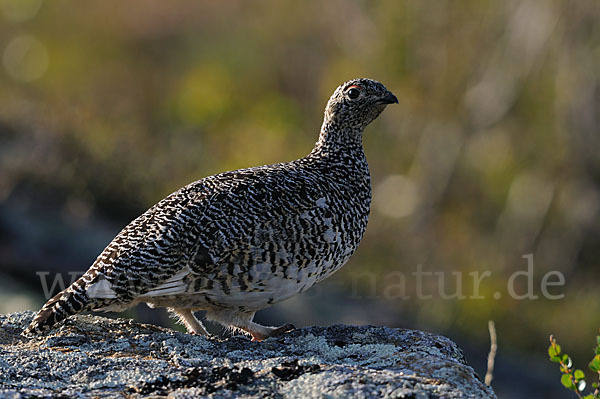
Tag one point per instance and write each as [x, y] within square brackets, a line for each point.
[389, 98]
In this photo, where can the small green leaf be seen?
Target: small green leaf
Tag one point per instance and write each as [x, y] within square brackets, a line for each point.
[566, 381]
[595, 364]
[579, 375]
[567, 361]
[555, 359]
[557, 349]
[590, 396]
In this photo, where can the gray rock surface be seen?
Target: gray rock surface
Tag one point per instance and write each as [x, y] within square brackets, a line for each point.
[92, 356]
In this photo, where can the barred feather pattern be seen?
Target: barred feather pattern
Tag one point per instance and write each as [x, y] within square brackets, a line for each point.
[240, 241]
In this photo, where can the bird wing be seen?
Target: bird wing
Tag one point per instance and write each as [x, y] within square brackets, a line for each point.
[254, 229]
[208, 228]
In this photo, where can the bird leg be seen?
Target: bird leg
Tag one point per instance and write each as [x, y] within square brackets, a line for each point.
[260, 333]
[193, 325]
[243, 321]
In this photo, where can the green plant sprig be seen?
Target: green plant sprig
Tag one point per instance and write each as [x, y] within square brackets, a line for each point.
[574, 379]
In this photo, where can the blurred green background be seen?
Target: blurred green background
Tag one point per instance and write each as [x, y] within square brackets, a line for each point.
[492, 154]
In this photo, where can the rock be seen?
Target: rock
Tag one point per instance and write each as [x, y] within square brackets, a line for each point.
[90, 356]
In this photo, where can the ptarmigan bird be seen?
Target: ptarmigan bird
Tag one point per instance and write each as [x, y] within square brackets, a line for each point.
[239, 241]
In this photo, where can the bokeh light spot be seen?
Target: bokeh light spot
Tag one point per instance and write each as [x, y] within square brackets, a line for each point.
[25, 58]
[396, 196]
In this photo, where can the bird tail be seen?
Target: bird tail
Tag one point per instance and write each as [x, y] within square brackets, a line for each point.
[72, 300]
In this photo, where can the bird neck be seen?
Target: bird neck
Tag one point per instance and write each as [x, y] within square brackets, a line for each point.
[334, 138]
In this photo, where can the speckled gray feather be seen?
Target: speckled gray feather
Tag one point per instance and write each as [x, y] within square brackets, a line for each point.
[239, 241]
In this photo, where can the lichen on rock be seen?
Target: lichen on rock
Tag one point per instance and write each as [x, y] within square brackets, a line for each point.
[91, 356]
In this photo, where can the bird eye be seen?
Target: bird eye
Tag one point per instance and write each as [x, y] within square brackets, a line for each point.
[353, 93]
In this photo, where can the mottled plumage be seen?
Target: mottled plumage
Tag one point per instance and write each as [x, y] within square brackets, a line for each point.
[239, 241]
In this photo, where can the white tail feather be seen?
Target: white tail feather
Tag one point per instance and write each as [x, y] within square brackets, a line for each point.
[172, 286]
[101, 290]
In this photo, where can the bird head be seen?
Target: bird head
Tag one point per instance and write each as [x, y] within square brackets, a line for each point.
[355, 104]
